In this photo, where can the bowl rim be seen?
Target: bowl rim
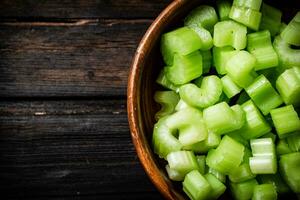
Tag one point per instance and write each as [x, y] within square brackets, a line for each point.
[143, 49]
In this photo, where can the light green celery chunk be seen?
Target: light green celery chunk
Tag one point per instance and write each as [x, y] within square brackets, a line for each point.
[205, 37]
[269, 135]
[203, 16]
[248, 17]
[271, 19]
[220, 57]
[291, 33]
[212, 141]
[229, 87]
[289, 169]
[218, 188]
[201, 163]
[173, 174]
[282, 147]
[260, 46]
[224, 7]
[168, 101]
[227, 156]
[255, 125]
[182, 41]
[275, 179]
[164, 81]
[262, 147]
[288, 86]
[252, 4]
[221, 118]
[264, 95]
[206, 60]
[230, 33]
[243, 98]
[264, 192]
[182, 161]
[286, 121]
[182, 105]
[196, 186]
[185, 68]
[243, 190]
[217, 174]
[294, 141]
[288, 57]
[207, 95]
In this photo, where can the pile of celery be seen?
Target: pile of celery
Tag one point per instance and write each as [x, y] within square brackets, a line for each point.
[229, 117]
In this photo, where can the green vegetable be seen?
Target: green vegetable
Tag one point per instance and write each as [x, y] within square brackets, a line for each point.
[217, 174]
[264, 192]
[229, 87]
[271, 19]
[173, 174]
[206, 60]
[201, 160]
[182, 161]
[205, 37]
[212, 141]
[168, 100]
[243, 190]
[164, 81]
[282, 147]
[218, 188]
[252, 4]
[220, 57]
[294, 141]
[276, 180]
[291, 32]
[249, 17]
[224, 7]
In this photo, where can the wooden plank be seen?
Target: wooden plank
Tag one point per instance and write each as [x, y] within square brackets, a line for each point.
[81, 8]
[68, 148]
[61, 59]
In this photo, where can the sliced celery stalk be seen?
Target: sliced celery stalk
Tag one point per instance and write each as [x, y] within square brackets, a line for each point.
[239, 68]
[218, 188]
[286, 121]
[203, 16]
[243, 190]
[230, 33]
[207, 95]
[252, 4]
[201, 160]
[262, 147]
[217, 174]
[168, 101]
[291, 32]
[229, 87]
[264, 192]
[249, 17]
[182, 105]
[212, 141]
[196, 186]
[173, 174]
[294, 141]
[182, 161]
[282, 147]
[220, 57]
[182, 41]
[264, 95]
[260, 46]
[206, 60]
[164, 81]
[185, 68]
[271, 19]
[205, 37]
[288, 85]
[224, 7]
[289, 168]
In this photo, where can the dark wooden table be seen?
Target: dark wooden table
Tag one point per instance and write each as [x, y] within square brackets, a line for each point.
[63, 74]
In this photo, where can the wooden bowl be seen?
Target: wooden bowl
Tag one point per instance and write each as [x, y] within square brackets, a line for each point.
[141, 107]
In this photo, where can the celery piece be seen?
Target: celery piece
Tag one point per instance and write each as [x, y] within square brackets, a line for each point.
[271, 19]
[204, 16]
[289, 168]
[207, 95]
[227, 156]
[282, 147]
[288, 86]
[205, 37]
[218, 188]
[185, 68]
[182, 41]
[244, 97]
[291, 33]
[224, 7]
[206, 60]
[260, 46]
[243, 190]
[263, 147]
[264, 192]
[220, 57]
[212, 141]
[196, 186]
[288, 57]
[168, 101]
[201, 163]
[221, 119]
[264, 95]
[275, 179]
[286, 121]
[164, 81]
[294, 142]
[229, 87]
[217, 174]
[252, 4]
[255, 125]
[182, 105]
[230, 33]
[239, 68]
[173, 174]
[182, 161]
[249, 17]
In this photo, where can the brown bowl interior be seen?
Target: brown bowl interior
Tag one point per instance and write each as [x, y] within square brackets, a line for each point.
[141, 87]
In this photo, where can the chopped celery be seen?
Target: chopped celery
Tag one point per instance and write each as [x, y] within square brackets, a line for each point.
[289, 168]
[260, 46]
[207, 95]
[224, 7]
[182, 105]
[220, 57]
[252, 4]
[196, 186]
[218, 188]
[264, 95]
[249, 17]
[182, 41]
[164, 81]
[217, 174]
[240, 67]
[286, 121]
[294, 141]
[276, 180]
[173, 174]
[264, 192]
[185, 68]
[230, 33]
[168, 101]
[288, 85]
[201, 163]
[243, 190]
[227, 156]
[229, 87]
[291, 33]
[203, 16]
[212, 141]
[262, 147]
[182, 161]
[282, 147]
[206, 60]
[205, 37]
[271, 19]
